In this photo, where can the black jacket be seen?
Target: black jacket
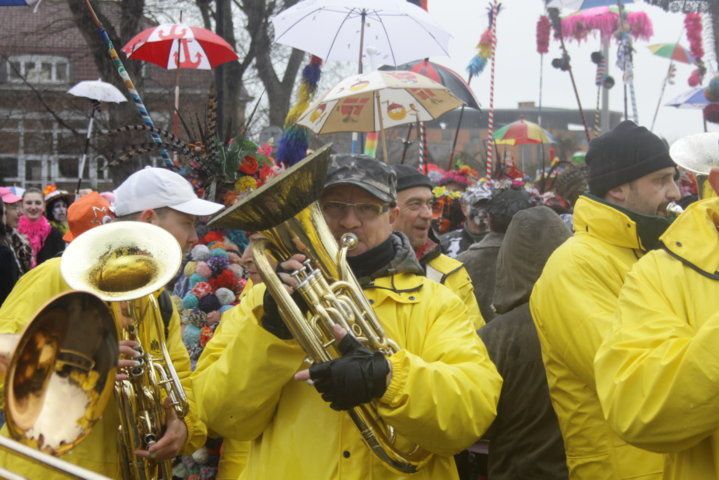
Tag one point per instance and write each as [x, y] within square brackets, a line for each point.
[524, 440]
[9, 271]
[54, 245]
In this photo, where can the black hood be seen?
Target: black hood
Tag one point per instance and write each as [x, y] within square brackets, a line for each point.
[532, 236]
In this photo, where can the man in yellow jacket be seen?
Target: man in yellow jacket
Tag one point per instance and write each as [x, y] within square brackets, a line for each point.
[151, 195]
[414, 200]
[658, 370]
[631, 179]
[438, 391]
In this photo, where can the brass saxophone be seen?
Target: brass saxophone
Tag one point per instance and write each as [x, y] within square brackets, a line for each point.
[285, 213]
[124, 263]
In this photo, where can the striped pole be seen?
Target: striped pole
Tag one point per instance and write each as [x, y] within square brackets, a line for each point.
[422, 147]
[134, 94]
[490, 120]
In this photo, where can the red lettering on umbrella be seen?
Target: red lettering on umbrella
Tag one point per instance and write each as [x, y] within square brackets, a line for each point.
[352, 107]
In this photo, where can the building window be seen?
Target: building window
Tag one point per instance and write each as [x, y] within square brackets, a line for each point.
[38, 69]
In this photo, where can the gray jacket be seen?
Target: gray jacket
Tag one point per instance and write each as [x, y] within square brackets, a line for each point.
[480, 260]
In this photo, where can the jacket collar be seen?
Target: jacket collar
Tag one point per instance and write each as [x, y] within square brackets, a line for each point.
[693, 237]
[606, 223]
[490, 240]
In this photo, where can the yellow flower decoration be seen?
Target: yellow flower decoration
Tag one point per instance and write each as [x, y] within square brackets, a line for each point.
[245, 184]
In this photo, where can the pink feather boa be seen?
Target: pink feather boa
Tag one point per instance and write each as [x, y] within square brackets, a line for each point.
[36, 232]
[579, 26]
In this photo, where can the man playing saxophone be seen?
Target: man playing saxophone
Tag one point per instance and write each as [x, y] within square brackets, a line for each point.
[151, 195]
[438, 391]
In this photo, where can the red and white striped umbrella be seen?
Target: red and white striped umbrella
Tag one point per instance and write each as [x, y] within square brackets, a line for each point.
[176, 45]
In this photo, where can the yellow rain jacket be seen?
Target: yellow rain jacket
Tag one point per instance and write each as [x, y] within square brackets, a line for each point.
[233, 457]
[658, 370]
[572, 306]
[442, 396]
[452, 274]
[98, 451]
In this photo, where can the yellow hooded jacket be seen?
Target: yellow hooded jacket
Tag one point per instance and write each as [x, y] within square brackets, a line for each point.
[98, 451]
[452, 274]
[572, 305]
[658, 370]
[442, 396]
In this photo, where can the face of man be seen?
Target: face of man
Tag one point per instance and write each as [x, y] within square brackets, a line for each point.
[12, 214]
[649, 194]
[33, 205]
[415, 214]
[180, 225]
[350, 209]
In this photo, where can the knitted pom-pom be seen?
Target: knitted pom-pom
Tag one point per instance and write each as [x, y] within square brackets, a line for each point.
[225, 279]
[196, 278]
[190, 301]
[205, 335]
[202, 289]
[191, 335]
[218, 252]
[190, 268]
[200, 252]
[225, 295]
[197, 317]
[209, 303]
[218, 264]
[224, 308]
[203, 269]
[201, 455]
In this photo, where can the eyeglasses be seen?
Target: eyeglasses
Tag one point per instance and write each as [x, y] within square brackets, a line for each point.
[416, 205]
[364, 211]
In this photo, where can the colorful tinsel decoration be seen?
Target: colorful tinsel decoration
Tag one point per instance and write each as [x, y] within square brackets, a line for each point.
[544, 28]
[292, 146]
[484, 50]
[693, 27]
[579, 26]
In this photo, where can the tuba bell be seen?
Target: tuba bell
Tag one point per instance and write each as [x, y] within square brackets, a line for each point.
[58, 377]
[290, 221]
[698, 153]
[125, 263]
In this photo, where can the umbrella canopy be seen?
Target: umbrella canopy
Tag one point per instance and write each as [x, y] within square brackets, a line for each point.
[176, 45]
[682, 6]
[444, 76]
[396, 30]
[17, 3]
[584, 4]
[403, 97]
[672, 51]
[522, 132]
[98, 90]
[693, 98]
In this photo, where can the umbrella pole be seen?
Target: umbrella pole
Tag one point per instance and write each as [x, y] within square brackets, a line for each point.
[381, 129]
[661, 94]
[456, 136]
[406, 143]
[356, 141]
[81, 167]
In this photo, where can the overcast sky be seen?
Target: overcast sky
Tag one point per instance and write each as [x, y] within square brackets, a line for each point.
[517, 69]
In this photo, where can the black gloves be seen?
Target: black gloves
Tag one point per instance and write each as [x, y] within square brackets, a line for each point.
[357, 377]
[272, 320]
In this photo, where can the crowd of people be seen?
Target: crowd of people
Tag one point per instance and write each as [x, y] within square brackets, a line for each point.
[554, 331]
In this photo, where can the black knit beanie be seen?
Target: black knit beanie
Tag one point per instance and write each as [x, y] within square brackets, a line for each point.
[624, 154]
[408, 177]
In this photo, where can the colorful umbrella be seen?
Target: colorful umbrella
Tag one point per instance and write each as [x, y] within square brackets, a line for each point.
[522, 132]
[672, 51]
[694, 98]
[374, 101]
[177, 45]
[17, 3]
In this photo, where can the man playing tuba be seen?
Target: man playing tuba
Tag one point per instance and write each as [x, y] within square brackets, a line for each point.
[439, 390]
[151, 195]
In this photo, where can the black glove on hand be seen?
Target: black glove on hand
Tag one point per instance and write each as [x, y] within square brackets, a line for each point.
[272, 320]
[357, 377]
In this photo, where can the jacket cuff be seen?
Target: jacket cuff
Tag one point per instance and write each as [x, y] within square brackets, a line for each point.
[399, 378]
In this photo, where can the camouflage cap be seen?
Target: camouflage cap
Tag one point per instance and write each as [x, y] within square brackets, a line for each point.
[373, 176]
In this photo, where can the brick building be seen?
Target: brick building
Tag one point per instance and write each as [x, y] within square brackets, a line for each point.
[42, 55]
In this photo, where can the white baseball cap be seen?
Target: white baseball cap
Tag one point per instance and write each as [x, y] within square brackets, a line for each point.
[152, 187]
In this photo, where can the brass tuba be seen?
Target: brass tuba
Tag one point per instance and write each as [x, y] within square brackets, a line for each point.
[124, 263]
[58, 377]
[285, 212]
[698, 153]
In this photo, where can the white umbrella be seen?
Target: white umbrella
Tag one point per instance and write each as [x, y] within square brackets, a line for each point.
[97, 91]
[343, 30]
